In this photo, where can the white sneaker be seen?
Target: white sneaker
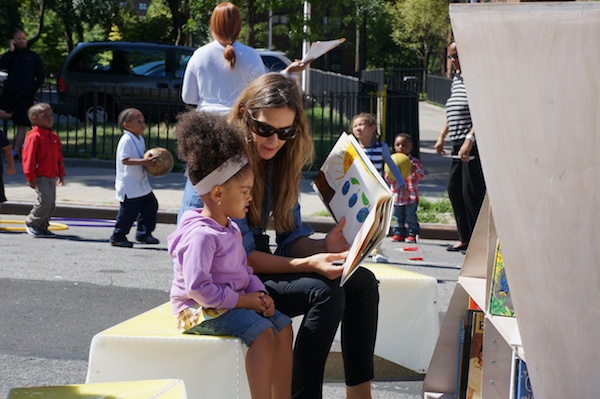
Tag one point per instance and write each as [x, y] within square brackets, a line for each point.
[32, 231]
[380, 258]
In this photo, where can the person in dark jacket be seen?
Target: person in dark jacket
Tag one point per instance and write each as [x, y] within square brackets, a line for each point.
[25, 76]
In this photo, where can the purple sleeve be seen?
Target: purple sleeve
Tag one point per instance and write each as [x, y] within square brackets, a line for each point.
[196, 264]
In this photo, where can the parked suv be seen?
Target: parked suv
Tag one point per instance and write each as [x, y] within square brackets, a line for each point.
[99, 79]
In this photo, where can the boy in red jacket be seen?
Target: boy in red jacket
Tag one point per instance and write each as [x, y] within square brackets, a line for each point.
[43, 167]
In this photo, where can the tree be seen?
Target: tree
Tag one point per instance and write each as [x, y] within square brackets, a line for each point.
[10, 20]
[421, 26]
[156, 26]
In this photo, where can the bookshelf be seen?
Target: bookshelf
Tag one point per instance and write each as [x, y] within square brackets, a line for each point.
[533, 90]
[500, 331]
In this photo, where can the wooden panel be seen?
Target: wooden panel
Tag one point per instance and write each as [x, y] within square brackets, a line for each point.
[531, 73]
[442, 373]
[497, 358]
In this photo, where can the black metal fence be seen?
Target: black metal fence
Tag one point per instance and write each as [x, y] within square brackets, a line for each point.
[438, 89]
[88, 129]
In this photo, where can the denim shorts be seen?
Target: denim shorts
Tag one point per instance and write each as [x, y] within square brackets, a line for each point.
[245, 324]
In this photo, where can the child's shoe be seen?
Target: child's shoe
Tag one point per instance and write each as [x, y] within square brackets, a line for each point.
[380, 258]
[147, 239]
[47, 233]
[33, 231]
[397, 238]
[411, 239]
[123, 244]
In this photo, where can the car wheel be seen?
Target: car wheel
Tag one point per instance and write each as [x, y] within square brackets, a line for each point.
[103, 111]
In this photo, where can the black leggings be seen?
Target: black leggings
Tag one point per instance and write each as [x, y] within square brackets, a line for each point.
[324, 304]
[466, 190]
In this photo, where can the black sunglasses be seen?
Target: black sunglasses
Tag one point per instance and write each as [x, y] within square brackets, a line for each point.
[453, 56]
[266, 130]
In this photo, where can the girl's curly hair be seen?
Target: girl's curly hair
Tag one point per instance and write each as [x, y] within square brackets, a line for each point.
[206, 140]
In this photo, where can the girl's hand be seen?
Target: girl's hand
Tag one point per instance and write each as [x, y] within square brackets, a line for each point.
[323, 264]
[335, 240]
[269, 305]
[254, 301]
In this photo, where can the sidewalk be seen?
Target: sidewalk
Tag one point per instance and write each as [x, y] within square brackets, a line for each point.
[89, 186]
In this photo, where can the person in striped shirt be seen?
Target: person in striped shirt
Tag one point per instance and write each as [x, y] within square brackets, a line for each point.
[466, 186]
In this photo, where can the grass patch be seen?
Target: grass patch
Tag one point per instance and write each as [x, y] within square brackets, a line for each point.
[322, 214]
[437, 211]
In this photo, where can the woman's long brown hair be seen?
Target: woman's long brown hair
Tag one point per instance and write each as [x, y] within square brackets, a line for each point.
[275, 90]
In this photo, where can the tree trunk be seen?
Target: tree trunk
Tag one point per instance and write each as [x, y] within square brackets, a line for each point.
[40, 25]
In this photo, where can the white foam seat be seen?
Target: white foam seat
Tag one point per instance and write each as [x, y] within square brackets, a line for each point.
[154, 389]
[409, 323]
[148, 346]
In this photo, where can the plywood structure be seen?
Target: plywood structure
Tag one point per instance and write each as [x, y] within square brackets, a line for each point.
[532, 73]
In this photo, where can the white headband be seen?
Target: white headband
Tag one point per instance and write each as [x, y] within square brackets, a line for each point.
[224, 172]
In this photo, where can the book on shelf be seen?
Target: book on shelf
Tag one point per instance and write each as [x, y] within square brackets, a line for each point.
[500, 300]
[469, 374]
[351, 187]
[475, 376]
[523, 388]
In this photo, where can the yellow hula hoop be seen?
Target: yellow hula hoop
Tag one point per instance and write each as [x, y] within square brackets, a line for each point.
[53, 226]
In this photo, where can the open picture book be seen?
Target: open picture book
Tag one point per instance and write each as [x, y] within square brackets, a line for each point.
[351, 187]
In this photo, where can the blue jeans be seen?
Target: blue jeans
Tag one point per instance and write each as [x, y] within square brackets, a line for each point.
[143, 209]
[245, 324]
[190, 200]
[406, 215]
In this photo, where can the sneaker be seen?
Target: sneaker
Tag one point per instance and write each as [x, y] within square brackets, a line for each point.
[397, 238]
[380, 258]
[47, 233]
[411, 239]
[122, 244]
[32, 231]
[147, 239]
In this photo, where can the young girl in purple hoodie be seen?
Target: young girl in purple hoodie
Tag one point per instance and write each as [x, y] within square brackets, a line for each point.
[214, 290]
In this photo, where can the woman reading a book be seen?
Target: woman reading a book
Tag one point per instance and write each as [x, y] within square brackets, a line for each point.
[300, 275]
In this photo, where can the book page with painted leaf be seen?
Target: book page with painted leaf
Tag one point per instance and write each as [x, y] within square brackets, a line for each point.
[351, 187]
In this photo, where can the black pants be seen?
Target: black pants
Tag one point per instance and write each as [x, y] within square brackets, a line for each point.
[466, 190]
[141, 209]
[324, 303]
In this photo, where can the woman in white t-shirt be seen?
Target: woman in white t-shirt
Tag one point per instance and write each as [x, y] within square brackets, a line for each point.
[219, 71]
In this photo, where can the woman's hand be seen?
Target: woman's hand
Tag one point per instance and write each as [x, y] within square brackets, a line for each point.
[335, 240]
[465, 150]
[323, 264]
[296, 66]
[439, 146]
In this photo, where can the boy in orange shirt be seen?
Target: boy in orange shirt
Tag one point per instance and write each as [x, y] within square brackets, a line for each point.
[43, 167]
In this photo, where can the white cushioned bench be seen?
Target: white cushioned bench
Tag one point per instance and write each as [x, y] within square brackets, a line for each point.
[148, 346]
[154, 389]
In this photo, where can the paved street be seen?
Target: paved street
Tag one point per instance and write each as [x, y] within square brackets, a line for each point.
[57, 293]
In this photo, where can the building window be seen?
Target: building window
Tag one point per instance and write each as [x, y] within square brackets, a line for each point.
[143, 6]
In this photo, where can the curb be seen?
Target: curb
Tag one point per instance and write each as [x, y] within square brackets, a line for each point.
[434, 231]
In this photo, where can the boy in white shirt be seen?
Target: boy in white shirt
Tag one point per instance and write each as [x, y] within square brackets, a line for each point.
[134, 192]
